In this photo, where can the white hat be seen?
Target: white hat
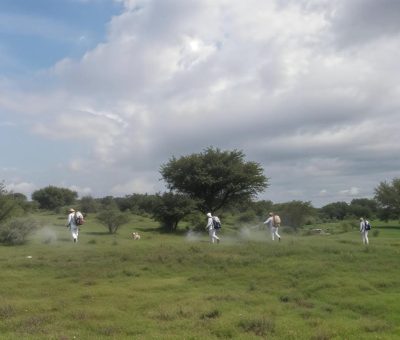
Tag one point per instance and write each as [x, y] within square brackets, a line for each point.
[209, 215]
[71, 210]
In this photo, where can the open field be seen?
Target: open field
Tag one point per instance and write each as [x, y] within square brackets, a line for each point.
[181, 287]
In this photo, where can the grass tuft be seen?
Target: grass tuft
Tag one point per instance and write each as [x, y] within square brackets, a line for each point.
[260, 327]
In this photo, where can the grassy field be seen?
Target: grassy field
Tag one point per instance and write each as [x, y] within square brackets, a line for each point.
[181, 287]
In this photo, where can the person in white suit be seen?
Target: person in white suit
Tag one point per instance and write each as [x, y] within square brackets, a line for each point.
[211, 230]
[71, 223]
[364, 228]
[270, 222]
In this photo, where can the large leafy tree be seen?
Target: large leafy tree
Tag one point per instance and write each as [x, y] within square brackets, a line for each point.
[363, 207]
[388, 197]
[170, 209]
[294, 213]
[53, 197]
[335, 211]
[214, 178]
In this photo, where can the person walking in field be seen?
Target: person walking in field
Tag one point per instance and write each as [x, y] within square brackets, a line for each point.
[273, 222]
[211, 230]
[72, 223]
[364, 228]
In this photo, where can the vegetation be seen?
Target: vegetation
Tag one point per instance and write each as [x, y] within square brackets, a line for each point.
[295, 213]
[53, 197]
[319, 282]
[388, 197]
[171, 208]
[214, 178]
[167, 286]
[112, 219]
[16, 231]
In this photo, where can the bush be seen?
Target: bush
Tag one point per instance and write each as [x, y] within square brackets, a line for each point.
[16, 231]
[248, 216]
[112, 219]
[375, 233]
[196, 221]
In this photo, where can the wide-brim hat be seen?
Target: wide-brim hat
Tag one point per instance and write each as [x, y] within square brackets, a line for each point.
[71, 210]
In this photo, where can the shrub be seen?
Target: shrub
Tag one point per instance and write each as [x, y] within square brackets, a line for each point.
[16, 231]
[346, 227]
[248, 216]
[112, 219]
[375, 233]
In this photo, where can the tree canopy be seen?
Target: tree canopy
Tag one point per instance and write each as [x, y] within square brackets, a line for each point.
[388, 197]
[214, 178]
[9, 206]
[294, 213]
[170, 208]
[53, 197]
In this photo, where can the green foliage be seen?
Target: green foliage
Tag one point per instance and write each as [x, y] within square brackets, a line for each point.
[196, 221]
[388, 198]
[9, 204]
[22, 201]
[261, 208]
[16, 231]
[137, 203]
[166, 287]
[171, 208]
[88, 204]
[113, 219]
[335, 211]
[363, 207]
[214, 178]
[248, 216]
[52, 197]
[108, 202]
[294, 213]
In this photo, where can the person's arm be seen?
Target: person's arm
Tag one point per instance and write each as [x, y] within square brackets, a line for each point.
[68, 221]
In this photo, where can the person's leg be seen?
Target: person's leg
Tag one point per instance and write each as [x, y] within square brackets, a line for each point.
[366, 237]
[74, 233]
[216, 236]
[276, 233]
[211, 233]
[273, 233]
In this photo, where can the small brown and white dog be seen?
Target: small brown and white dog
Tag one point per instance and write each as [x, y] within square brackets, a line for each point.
[135, 236]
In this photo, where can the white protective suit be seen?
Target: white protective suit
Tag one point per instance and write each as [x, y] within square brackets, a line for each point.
[211, 231]
[363, 231]
[72, 225]
[274, 230]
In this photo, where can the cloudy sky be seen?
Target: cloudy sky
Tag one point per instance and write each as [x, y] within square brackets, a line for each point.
[95, 95]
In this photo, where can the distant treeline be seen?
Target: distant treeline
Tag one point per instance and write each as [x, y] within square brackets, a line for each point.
[170, 208]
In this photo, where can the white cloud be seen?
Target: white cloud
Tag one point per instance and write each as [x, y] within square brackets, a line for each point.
[273, 78]
[21, 187]
[139, 185]
[353, 191]
[82, 191]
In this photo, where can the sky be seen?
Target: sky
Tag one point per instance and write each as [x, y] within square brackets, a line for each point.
[96, 95]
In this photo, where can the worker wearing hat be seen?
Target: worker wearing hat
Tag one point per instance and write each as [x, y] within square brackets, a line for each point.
[71, 223]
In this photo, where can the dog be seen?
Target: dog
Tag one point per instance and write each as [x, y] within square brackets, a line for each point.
[135, 236]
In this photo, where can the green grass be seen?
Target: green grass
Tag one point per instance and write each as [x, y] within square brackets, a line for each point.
[172, 287]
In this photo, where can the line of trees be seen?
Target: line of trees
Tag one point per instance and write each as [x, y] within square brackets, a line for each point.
[210, 181]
